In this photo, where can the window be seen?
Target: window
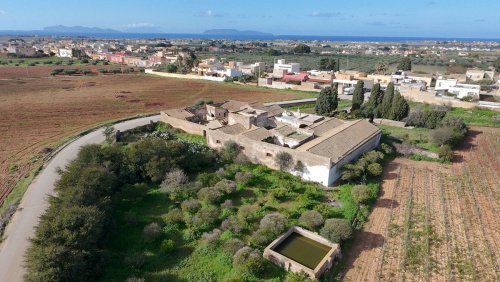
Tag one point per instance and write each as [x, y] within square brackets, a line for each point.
[217, 141]
[242, 148]
[269, 155]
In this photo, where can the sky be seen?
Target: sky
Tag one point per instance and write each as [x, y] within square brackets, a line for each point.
[417, 18]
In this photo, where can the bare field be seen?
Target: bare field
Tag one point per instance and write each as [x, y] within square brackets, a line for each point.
[435, 222]
[36, 113]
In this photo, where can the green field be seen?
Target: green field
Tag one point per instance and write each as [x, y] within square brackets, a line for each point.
[45, 61]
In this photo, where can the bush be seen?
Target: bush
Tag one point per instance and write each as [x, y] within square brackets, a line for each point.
[225, 186]
[246, 213]
[360, 193]
[167, 246]
[171, 68]
[336, 230]
[151, 232]
[190, 206]
[445, 153]
[229, 151]
[284, 160]
[204, 219]
[248, 260]
[231, 246]
[311, 220]
[274, 222]
[174, 216]
[209, 195]
[227, 204]
[231, 224]
[211, 239]
[445, 135]
[375, 169]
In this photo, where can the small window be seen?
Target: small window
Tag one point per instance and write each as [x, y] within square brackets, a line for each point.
[242, 148]
[269, 155]
[217, 141]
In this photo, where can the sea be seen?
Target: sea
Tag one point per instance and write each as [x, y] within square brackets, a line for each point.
[242, 37]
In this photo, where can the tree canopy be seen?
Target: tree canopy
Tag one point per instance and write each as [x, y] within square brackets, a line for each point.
[327, 64]
[327, 101]
[358, 97]
[302, 49]
[405, 64]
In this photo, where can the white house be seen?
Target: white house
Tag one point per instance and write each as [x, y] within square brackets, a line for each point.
[281, 66]
[459, 90]
[65, 53]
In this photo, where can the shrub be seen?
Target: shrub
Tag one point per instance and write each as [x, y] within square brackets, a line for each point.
[445, 153]
[242, 176]
[231, 224]
[229, 151]
[190, 205]
[174, 216]
[231, 246]
[274, 222]
[248, 260]
[225, 186]
[375, 169]
[386, 148]
[151, 232]
[209, 195]
[246, 213]
[298, 277]
[445, 135]
[311, 220]
[204, 219]
[284, 160]
[167, 246]
[456, 123]
[360, 193]
[211, 238]
[336, 230]
[227, 204]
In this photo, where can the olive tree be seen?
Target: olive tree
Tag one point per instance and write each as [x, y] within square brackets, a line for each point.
[311, 219]
[336, 230]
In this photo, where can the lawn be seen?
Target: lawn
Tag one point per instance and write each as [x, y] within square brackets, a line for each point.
[310, 108]
[477, 117]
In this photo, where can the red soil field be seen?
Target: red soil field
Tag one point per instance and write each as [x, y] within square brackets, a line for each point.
[435, 222]
[36, 113]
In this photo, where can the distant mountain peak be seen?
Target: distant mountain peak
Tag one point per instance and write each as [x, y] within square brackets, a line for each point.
[235, 32]
[78, 29]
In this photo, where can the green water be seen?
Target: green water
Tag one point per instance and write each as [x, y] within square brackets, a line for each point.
[302, 250]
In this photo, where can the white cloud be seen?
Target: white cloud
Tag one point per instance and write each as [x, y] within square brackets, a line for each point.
[210, 14]
[136, 25]
[323, 14]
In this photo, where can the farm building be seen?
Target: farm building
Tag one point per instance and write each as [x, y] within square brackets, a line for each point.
[319, 146]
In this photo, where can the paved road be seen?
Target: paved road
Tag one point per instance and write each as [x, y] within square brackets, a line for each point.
[34, 202]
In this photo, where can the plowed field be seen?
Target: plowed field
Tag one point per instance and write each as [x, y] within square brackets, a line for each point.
[435, 222]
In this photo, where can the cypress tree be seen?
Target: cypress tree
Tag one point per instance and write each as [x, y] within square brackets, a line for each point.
[400, 107]
[385, 107]
[335, 96]
[375, 98]
[323, 103]
[358, 97]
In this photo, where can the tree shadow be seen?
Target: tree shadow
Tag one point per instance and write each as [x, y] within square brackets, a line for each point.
[386, 203]
[466, 145]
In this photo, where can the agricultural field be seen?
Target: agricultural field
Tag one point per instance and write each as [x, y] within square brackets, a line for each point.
[434, 222]
[35, 114]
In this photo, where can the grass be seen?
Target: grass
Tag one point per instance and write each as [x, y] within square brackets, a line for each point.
[476, 116]
[17, 193]
[130, 256]
[416, 136]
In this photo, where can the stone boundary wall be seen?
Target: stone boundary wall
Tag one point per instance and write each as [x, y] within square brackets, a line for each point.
[189, 127]
[390, 122]
[407, 150]
[430, 98]
[184, 76]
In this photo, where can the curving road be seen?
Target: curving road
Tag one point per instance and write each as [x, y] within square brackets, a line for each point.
[34, 202]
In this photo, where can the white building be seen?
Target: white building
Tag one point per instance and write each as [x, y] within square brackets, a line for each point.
[477, 75]
[281, 66]
[459, 90]
[65, 53]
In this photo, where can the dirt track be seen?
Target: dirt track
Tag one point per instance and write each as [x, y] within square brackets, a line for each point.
[435, 222]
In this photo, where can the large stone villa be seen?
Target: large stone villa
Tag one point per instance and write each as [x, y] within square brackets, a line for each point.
[320, 145]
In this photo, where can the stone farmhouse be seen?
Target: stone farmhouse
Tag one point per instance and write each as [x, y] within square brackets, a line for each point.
[319, 145]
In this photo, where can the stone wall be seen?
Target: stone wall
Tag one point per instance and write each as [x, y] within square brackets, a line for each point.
[184, 76]
[430, 98]
[316, 168]
[185, 125]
